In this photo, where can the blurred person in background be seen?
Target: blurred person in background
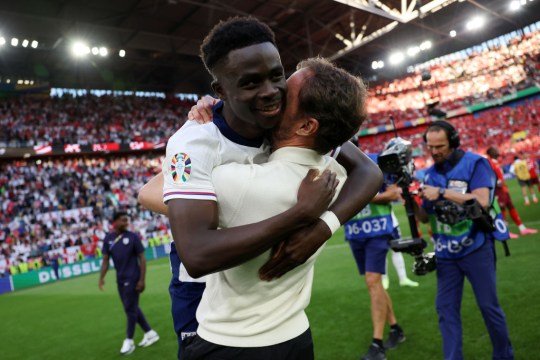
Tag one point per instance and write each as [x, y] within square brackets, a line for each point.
[520, 169]
[503, 195]
[127, 253]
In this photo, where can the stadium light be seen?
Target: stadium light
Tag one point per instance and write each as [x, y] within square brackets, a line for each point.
[396, 58]
[95, 50]
[425, 45]
[14, 42]
[122, 53]
[2, 40]
[381, 64]
[475, 23]
[25, 43]
[103, 51]
[34, 44]
[412, 51]
[80, 49]
[514, 5]
[375, 65]
[453, 33]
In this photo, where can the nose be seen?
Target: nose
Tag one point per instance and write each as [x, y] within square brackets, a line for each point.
[269, 89]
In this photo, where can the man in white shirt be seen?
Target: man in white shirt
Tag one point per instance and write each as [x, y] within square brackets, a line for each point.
[241, 316]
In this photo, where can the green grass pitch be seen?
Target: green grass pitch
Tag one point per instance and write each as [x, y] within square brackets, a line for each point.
[72, 319]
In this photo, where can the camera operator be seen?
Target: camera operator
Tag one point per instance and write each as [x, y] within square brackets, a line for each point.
[458, 189]
[368, 234]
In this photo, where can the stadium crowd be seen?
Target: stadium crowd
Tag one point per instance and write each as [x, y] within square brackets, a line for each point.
[64, 206]
[31, 121]
[481, 76]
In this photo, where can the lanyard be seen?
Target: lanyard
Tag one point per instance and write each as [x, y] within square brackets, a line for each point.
[115, 241]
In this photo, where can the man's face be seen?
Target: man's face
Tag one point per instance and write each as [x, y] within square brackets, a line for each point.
[252, 83]
[121, 224]
[291, 113]
[438, 145]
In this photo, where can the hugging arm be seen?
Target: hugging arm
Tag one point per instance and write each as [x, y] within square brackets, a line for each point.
[364, 179]
[204, 249]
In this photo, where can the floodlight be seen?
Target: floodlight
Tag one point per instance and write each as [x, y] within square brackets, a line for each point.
[14, 42]
[453, 33]
[514, 5]
[26, 82]
[475, 23]
[122, 53]
[95, 50]
[425, 45]
[375, 65]
[396, 58]
[381, 64]
[103, 51]
[80, 49]
[25, 43]
[34, 44]
[412, 51]
[2, 40]
[19, 81]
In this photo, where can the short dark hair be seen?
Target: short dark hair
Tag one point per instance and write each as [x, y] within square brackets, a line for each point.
[117, 215]
[231, 34]
[491, 151]
[334, 97]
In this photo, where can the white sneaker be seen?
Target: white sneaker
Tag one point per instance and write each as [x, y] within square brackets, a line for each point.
[127, 347]
[408, 282]
[385, 282]
[149, 338]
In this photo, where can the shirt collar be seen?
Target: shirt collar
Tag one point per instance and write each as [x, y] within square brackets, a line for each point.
[297, 155]
[228, 132]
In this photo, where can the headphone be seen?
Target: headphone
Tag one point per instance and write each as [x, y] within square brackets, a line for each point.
[451, 133]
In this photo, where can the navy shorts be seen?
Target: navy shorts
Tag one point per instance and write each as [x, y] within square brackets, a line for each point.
[370, 254]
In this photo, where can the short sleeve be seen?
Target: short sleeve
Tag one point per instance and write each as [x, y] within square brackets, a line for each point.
[192, 153]
[105, 248]
[483, 176]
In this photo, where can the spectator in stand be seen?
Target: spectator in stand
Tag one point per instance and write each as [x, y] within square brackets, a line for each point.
[520, 169]
[127, 253]
[503, 195]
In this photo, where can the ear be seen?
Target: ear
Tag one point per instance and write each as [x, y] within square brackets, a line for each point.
[308, 127]
[218, 89]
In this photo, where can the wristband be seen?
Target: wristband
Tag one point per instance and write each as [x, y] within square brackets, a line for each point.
[331, 220]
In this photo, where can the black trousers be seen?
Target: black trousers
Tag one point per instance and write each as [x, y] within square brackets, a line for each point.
[299, 348]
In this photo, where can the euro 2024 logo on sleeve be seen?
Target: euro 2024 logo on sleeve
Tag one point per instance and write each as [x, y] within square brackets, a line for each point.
[180, 167]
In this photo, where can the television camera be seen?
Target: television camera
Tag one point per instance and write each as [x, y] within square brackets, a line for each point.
[397, 165]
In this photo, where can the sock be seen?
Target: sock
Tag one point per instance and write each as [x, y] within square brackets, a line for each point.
[526, 199]
[378, 342]
[515, 216]
[399, 264]
[522, 227]
[534, 197]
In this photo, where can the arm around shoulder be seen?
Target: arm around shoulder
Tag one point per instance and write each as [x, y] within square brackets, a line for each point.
[364, 179]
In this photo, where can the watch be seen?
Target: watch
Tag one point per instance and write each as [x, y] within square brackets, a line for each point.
[441, 192]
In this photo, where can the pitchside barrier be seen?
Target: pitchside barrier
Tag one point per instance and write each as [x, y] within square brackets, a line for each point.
[67, 271]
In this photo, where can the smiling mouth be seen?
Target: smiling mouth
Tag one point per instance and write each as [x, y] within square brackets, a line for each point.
[270, 110]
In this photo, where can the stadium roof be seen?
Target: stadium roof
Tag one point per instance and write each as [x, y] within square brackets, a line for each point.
[162, 37]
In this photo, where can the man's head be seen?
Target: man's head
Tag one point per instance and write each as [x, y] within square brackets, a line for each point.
[325, 107]
[120, 221]
[242, 57]
[441, 140]
[493, 152]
